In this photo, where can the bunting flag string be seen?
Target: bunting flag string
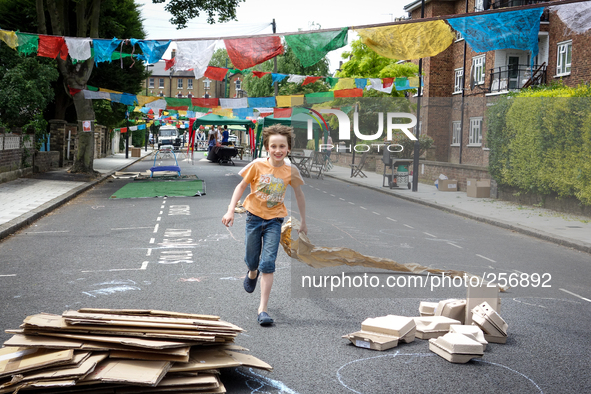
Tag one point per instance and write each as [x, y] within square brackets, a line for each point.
[216, 73]
[248, 52]
[52, 46]
[9, 37]
[312, 47]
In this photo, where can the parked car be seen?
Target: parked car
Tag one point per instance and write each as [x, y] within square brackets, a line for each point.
[169, 135]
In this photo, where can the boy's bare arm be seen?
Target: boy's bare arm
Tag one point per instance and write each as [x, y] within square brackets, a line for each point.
[301, 200]
[228, 218]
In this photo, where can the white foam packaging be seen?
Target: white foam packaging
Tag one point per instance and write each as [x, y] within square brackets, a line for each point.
[427, 308]
[452, 308]
[493, 325]
[433, 326]
[383, 333]
[472, 332]
[456, 347]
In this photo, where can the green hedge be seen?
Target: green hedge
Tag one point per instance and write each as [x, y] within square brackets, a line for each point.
[540, 141]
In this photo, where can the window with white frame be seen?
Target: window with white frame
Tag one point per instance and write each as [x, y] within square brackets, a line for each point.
[238, 84]
[459, 36]
[475, 131]
[459, 80]
[455, 133]
[478, 5]
[179, 83]
[478, 69]
[161, 83]
[206, 83]
[190, 83]
[151, 83]
[564, 57]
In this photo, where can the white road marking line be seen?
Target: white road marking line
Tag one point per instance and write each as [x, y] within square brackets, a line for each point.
[323, 191]
[457, 246]
[156, 228]
[128, 228]
[159, 218]
[352, 203]
[406, 225]
[332, 195]
[576, 295]
[430, 235]
[519, 272]
[152, 240]
[1, 276]
[45, 232]
[142, 268]
[161, 206]
[149, 253]
[375, 213]
[394, 220]
[486, 258]
[341, 199]
[160, 213]
[491, 267]
[363, 208]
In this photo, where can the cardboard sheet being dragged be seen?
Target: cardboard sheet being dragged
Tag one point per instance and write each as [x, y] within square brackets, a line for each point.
[121, 351]
[302, 249]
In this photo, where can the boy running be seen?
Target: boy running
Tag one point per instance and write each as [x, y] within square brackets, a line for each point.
[268, 179]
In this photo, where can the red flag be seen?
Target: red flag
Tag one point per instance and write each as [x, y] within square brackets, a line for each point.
[260, 74]
[348, 93]
[73, 91]
[387, 82]
[282, 112]
[310, 80]
[123, 130]
[50, 46]
[169, 63]
[248, 52]
[216, 73]
[206, 102]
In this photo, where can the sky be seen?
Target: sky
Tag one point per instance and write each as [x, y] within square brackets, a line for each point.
[255, 17]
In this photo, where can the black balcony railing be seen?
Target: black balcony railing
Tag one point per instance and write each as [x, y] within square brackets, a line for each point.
[496, 4]
[516, 76]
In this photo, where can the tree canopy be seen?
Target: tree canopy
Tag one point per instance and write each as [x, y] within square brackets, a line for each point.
[184, 10]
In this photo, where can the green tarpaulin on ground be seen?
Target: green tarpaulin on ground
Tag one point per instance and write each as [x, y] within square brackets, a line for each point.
[173, 188]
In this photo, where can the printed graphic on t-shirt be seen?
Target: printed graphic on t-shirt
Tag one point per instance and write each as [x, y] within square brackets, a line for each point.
[271, 189]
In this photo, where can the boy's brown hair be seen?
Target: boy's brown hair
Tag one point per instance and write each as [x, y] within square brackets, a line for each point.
[278, 129]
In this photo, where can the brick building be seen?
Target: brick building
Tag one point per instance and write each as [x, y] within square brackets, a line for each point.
[182, 84]
[459, 83]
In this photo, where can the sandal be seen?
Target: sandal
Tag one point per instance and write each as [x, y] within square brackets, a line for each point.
[250, 284]
[264, 319]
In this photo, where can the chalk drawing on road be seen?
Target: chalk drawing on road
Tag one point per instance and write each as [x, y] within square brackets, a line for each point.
[200, 279]
[543, 298]
[114, 286]
[256, 382]
[398, 354]
[143, 267]
[7, 275]
[129, 228]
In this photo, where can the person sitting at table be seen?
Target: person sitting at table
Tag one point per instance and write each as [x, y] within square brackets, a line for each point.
[211, 143]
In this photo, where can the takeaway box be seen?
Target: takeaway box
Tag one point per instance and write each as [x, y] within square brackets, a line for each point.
[427, 308]
[433, 326]
[452, 308]
[493, 325]
[478, 188]
[456, 348]
[384, 332]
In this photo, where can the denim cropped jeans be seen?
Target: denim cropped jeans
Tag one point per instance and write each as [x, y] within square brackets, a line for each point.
[262, 242]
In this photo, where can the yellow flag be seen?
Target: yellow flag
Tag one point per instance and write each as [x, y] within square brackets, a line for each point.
[408, 41]
[345, 83]
[227, 112]
[9, 37]
[289, 101]
[143, 100]
[110, 91]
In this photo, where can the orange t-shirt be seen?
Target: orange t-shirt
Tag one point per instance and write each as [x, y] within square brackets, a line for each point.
[267, 187]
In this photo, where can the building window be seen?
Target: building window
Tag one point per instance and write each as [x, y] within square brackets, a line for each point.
[238, 84]
[459, 36]
[179, 83]
[151, 85]
[190, 95]
[459, 80]
[180, 95]
[161, 83]
[190, 83]
[478, 5]
[564, 58]
[478, 69]
[475, 131]
[206, 83]
[455, 133]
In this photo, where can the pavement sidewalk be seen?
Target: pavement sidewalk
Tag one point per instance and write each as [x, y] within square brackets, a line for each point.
[26, 199]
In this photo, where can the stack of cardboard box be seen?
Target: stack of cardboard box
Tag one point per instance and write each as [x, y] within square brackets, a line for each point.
[122, 351]
[382, 333]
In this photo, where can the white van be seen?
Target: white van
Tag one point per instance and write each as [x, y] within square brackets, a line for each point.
[168, 135]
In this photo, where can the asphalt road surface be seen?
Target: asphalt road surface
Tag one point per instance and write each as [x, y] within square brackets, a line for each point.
[101, 252]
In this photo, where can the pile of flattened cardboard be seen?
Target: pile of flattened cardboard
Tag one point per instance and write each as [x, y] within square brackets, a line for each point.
[446, 324]
[121, 351]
